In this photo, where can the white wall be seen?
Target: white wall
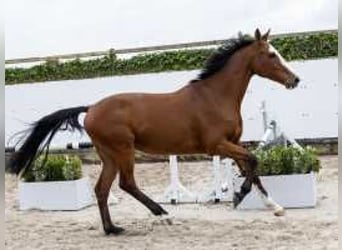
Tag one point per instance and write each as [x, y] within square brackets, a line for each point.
[309, 111]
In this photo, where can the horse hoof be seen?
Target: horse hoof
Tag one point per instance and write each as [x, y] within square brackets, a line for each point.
[279, 212]
[167, 219]
[114, 230]
[236, 200]
[159, 211]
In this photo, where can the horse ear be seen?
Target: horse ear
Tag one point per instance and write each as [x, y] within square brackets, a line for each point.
[265, 36]
[257, 34]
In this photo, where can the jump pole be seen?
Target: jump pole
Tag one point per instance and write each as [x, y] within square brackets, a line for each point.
[176, 192]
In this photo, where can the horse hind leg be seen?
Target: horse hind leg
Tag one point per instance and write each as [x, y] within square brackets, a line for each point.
[128, 184]
[102, 188]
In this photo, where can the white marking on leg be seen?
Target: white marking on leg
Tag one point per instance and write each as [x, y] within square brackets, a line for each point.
[270, 203]
[168, 219]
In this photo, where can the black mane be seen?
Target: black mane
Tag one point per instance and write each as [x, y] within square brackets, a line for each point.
[220, 57]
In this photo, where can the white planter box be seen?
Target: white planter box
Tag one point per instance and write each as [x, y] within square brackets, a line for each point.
[289, 191]
[55, 195]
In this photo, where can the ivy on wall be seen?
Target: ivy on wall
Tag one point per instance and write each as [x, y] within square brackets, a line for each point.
[292, 48]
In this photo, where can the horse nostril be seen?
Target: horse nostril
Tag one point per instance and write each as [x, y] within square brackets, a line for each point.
[297, 80]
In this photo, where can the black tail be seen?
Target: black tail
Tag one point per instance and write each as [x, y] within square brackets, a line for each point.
[41, 134]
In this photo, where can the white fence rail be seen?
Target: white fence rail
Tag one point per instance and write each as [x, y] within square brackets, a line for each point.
[145, 49]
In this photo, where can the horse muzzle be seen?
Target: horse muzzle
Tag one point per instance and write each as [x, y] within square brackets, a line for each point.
[292, 83]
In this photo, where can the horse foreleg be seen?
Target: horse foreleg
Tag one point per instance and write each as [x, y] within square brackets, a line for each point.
[239, 154]
[269, 202]
[278, 210]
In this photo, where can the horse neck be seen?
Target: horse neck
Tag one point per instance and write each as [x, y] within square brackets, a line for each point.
[230, 84]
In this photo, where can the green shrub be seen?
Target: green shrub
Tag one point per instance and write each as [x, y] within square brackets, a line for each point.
[301, 47]
[282, 160]
[56, 168]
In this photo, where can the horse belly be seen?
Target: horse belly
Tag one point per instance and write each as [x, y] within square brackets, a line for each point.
[170, 139]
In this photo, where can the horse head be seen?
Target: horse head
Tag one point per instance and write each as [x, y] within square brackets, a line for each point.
[267, 62]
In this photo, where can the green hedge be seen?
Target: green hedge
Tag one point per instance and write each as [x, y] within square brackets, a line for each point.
[282, 160]
[292, 48]
[56, 168]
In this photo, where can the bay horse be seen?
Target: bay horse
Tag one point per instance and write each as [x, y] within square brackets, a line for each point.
[202, 117]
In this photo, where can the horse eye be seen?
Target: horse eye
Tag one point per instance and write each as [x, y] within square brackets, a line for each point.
[272, 55]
